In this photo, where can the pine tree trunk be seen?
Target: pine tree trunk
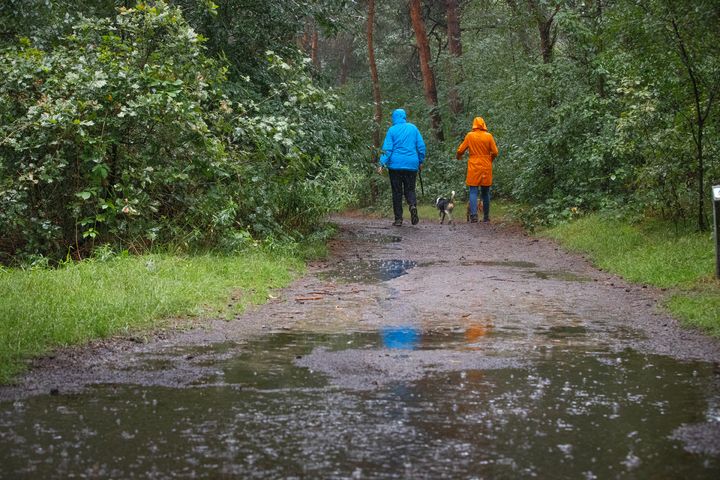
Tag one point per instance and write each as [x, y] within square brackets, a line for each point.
[427, 73]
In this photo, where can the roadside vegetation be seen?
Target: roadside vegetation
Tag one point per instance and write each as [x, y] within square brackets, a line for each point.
[217, 125]
[654, 253]
[131, 295]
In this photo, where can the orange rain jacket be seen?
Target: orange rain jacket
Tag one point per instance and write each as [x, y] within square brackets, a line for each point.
[482, 153]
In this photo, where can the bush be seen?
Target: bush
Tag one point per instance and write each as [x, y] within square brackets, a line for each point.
[127, 132]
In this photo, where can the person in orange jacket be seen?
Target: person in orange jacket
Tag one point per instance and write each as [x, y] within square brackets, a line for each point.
[479, 170]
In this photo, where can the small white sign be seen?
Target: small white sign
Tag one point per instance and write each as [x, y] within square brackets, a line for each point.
[716, 192]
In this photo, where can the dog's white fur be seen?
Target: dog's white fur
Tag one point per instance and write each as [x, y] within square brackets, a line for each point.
[445, 207]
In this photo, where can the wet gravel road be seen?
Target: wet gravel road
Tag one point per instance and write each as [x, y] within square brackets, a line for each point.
[470, 351]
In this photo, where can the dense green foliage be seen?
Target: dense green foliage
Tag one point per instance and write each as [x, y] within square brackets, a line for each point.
[124, 129]
[619, 110]
[221, 125]
[126, 294]
[210, 123]
[654, 253]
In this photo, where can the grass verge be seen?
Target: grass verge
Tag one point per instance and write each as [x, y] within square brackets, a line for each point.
[41, 309]
[654, 254]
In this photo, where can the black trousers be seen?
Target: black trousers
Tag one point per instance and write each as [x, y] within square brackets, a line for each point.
[402, 183]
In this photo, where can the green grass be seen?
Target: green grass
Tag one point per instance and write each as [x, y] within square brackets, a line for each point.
[654, 254]
[46, 308]
[701, 309]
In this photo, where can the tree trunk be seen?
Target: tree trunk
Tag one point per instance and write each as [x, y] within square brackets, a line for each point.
[702, 224]
[346, 59]
[314, 49]
[520, 29]
[425, 69]
[453, 32]
[601, 47]
[374, 76]
[546, 28]
[701, 115]
[303, 41]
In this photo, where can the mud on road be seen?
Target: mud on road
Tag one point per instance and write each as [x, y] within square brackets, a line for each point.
[421, 351]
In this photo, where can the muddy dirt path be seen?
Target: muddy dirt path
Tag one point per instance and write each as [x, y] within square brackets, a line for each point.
[414, 352]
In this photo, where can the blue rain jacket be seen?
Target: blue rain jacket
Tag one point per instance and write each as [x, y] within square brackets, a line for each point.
[403, 148]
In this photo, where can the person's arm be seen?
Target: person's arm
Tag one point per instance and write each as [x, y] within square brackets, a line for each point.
[461, 149]
[493, 149]
[420, 148]
[387, 149]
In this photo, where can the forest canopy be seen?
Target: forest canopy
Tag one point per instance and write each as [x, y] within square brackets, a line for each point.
[212, 124]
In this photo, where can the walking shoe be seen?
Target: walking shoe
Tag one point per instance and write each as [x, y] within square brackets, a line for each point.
[473, 219]
[486, 220]
[397, 223]
[414, 219]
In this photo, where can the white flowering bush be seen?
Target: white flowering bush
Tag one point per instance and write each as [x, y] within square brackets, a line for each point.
[127, 132]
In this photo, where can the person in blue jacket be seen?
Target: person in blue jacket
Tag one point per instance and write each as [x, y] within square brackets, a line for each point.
[403, 155]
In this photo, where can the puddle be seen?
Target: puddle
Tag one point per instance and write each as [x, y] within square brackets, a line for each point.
[440, 407]
[505, 263]
[368, 271]
[529, 266]
[565, 331]
[560, 275]
[374, 237]
[403, 338]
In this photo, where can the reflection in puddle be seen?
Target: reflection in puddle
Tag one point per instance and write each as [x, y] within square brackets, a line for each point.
[368, 271]
[476, 331]
[321, 406]
[505, 263]
[564, 331]
[560, 275]
[528, 266]
[401, 338]
[373, 237]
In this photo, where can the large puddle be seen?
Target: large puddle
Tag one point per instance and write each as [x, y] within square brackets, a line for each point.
[375, 271]
[368, 271]
[395, 403]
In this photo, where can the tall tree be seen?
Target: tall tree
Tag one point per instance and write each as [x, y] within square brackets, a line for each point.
[346, 44]
[314, 55]
[547, 28]
[704, 83]
[428, 77]
[374, 74]
[453, 33]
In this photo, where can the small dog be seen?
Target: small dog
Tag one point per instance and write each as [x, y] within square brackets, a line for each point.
[479, 208]
[445, 207]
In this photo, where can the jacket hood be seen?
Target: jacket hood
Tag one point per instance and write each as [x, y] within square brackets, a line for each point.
[479, 124]
[399, 116]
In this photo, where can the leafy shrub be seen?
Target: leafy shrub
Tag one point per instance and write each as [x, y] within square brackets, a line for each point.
[109, 132]
[127, 132]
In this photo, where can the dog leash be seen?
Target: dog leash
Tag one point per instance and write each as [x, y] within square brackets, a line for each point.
[422, 189]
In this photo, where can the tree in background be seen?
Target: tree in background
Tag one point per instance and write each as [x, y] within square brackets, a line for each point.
[667, 63]
[377, 100]
[428, 76]
[455, 47]
[594, 104]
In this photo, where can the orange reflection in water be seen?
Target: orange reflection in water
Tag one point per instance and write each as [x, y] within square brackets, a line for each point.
[474, 332]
